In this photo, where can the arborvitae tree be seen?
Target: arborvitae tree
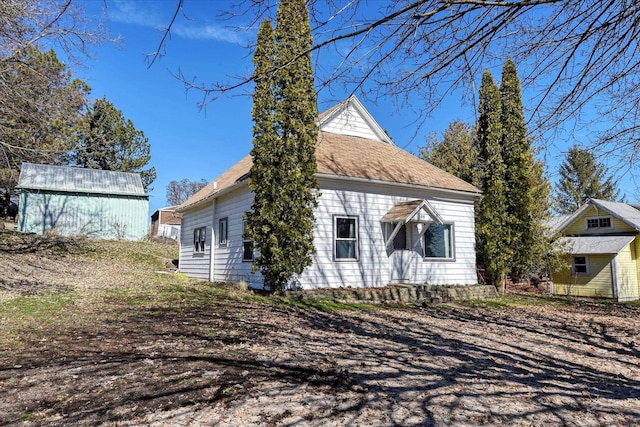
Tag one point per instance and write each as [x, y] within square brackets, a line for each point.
[582, 178]
[492, 238]
[455, 153]
[111, 142]
[285, 133]
[517, 156]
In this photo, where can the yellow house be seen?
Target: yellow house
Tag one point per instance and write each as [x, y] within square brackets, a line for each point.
[602, 244]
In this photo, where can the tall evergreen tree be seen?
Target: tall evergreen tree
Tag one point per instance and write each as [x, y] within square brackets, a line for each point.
[41, 105]
[517, 156]
[111, 142]
[494, 246]
[582, 178]
[285, 133]
[455, 152]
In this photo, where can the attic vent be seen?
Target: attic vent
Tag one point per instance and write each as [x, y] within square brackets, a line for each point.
[215, 185]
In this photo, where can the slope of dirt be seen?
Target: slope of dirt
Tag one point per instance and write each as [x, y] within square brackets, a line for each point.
[178, 353]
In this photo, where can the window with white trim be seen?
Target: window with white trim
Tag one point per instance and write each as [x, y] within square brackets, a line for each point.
[580, 265]
[247, 243]
[599, 222]
[438, 242]
[223, 231]
[199, 239]
[345, 234]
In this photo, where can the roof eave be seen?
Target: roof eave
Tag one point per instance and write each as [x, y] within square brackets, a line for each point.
[211, 197]
[448, 191]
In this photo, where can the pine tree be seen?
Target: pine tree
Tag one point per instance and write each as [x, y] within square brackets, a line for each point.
[492, 236]
[517, 156]
[111, 142]
[455, 153]
[582, 178]
[285, 133]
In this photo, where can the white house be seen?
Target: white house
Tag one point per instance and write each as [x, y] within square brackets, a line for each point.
[165, 222]
[384, 216]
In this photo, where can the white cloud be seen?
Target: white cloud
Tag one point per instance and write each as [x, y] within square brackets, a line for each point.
[130, 12]
[209, 32]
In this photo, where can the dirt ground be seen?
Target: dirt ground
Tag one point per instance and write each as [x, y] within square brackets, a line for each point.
[236, 361]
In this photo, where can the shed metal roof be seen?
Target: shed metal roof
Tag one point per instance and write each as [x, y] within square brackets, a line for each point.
[79, 180]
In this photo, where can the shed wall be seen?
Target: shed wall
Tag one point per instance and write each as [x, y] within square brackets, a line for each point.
[93, 215]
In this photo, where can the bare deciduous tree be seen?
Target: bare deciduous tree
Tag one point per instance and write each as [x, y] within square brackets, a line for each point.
[580, 59]
[180, 191]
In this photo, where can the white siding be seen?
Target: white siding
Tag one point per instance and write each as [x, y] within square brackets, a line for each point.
[369, 202]
[373, 268]
[171, 231]
[195, 264]
[350, 122]
[228, 264]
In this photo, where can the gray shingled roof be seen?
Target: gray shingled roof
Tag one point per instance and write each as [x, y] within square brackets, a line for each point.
[586, 245]
[622, 211]
[79, 180]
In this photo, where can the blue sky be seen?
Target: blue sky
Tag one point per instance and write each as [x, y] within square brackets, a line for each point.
[193, 143]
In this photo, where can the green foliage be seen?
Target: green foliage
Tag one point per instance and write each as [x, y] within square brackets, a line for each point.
[527, 192]
[582, 178]
[111, 142]
[285, 132]
[454, 153]
[40, 108]
[510, 232]
[494, 247]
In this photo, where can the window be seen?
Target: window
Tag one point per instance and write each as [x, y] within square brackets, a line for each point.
[400, 239]
[223, 231]
[199, 238]
[579, 265]
[345, 232]
[247, 244]
[599, 222]
[438, 241]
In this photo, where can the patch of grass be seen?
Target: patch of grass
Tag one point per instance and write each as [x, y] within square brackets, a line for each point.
[37, 307]
[27, 416]
[513, 300]
[24, 317]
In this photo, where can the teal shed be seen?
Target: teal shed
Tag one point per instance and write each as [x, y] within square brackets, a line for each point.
[82, 202]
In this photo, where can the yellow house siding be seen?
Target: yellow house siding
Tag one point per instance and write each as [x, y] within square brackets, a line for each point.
[636, 258]
[627, 273]
[598, 283]
[579, 225]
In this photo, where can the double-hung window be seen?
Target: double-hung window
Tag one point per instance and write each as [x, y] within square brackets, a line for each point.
[199, 239]
[223, 231]
[438, 242]
[580, 265]
[247, 244]
[345, 234]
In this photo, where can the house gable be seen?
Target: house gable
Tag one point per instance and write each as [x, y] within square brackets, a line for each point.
[601, 217]
[351, 118]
